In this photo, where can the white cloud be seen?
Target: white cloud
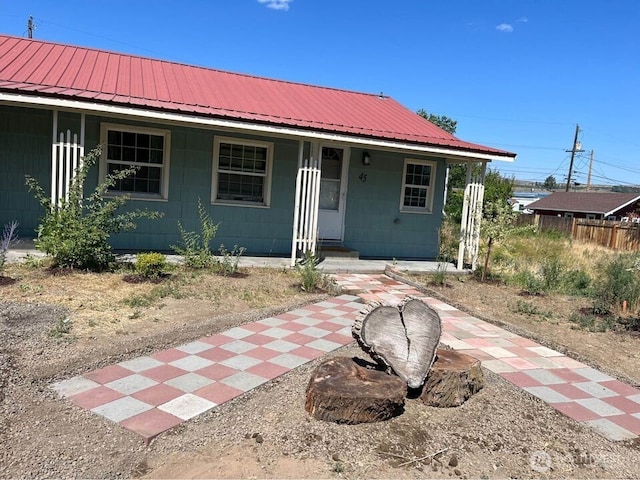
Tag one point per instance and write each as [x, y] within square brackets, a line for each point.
[505, 27]
[277, 4]
[522, 20]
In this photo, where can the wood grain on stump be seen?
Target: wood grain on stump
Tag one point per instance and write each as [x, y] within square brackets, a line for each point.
[342, 391]
[453, 378]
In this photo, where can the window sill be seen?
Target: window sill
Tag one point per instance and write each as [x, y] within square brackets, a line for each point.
[231, 203]
[418, 211]
[144, 198]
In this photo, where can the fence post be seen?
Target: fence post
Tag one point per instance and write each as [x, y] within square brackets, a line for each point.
[574, 228]
[614, 235]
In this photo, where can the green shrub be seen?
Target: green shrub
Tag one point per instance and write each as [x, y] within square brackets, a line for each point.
[195, 247]
[312, 279]
[76, 232]
[619, 281]
[577, 282]
[151, 265]
[228, 262]
[593, 323]
[552, 269]
[531, 284]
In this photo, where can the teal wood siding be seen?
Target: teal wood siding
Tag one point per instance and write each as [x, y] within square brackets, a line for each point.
[25, 148]
[374, 224]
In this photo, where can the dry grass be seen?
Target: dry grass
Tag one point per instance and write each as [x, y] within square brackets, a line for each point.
[116, 303]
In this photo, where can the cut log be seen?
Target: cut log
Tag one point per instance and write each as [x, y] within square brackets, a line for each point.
[342, 391]
[453, 378]
[403, 338]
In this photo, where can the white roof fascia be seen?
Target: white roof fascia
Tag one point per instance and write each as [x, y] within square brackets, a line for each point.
[623, 205]
[154, 115]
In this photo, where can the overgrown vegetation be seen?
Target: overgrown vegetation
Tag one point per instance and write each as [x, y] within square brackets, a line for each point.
[312, 278]
[150, 265]
[9, 236]
[76, 232]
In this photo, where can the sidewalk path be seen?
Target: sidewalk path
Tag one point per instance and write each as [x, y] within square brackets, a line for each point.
[151, 394]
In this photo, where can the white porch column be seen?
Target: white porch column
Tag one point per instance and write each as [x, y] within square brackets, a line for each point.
[66, 157]
[469, 244]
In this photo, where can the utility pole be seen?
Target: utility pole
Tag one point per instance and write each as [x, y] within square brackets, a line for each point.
[576, 148]
[590, 168]
[30, 27]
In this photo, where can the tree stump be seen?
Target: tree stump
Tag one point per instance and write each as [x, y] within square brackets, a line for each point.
[453, 378]
[402, 338]
[342, 391]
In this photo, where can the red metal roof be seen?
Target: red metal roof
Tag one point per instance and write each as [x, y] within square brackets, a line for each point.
[30, 67]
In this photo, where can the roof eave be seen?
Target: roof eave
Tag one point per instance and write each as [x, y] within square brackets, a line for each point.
[262, 127]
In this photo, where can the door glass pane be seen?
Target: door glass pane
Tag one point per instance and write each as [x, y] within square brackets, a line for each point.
[329, 194]
[331, 168]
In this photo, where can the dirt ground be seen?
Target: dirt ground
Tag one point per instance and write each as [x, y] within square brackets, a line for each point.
[54, 326]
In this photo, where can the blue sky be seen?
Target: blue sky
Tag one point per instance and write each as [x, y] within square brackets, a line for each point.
[516, 74]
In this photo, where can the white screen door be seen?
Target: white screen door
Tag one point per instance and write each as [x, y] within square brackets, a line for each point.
[332, 193]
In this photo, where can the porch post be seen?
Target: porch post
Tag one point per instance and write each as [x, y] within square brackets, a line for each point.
[54, 158]
[471, 217]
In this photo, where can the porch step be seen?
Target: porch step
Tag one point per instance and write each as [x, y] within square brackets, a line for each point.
[337, 251]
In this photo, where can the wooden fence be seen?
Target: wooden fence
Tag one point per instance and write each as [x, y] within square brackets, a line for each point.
[623, 236]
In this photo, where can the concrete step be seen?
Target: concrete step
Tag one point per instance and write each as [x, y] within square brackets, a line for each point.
[337, 251]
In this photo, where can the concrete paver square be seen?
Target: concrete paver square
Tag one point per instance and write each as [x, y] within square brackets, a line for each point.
[498, 366]
[274, 322]
[217, 354]
[141, 364]
[170, 355]
[192, 363]
[96, 396]
[307, 321]
[288, 360]
[610, 430]
[620, 388]
[240, 362]
[544, 351]
[576, 411]
[189, 382]
[259, 339]
[158, 394]
[324, 345]
[195, 347]
[569, 391]
[520, 363]
[164, 373]
[624, 404]
[74, 386]
[218, 392]
[521, 379]
[238, 333]
[307, 352]
[244, 381]
[268, 370]
[281, 346]
[595, 389]
[216, 372]
[276, 332]
[108, 374]
[628, 422]
[547, 394]
[315, 332]
[598, 406]
[131, 384]
[238, 346]
[593, 374]
[187, 406]
[151, 423]
[121, 409]
[262, 353]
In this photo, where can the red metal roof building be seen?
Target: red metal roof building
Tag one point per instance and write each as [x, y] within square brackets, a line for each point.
[34, 67]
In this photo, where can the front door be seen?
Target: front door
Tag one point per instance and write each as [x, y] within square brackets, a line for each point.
[333, 193]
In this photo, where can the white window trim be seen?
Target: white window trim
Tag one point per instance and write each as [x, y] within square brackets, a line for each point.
[267, 178]
[428, 209]
[164, 182]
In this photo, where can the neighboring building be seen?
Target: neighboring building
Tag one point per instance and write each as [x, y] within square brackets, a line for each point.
[280, 165]
[520, 201]
[590, 205]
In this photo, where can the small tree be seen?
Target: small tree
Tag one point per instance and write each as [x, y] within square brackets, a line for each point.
[8, 237]
[496, 225]
[550, 183]
[76, 232]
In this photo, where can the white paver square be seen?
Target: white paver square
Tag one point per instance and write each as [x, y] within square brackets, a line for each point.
[324, 345]
[191, 363]
[498, 366]
[238, 333]
[272, 322]
[599, 407]
[121, 409]
[238, 346]
[457, 344]
[187, 406]
[315, 332]
[189, 382]
[75, 385]
[195, 347]
[276, 332]
[288, 360]
[281, 346]
[610, 430]
[498, 352]
[595, 389]
[547, 394]
[593, 374]
[307, 321]
[141, 364]
[634, 398]
[244, 381]
[241, 362]
[300, 312]
[335, 313]
[544, 352]
[131, 384]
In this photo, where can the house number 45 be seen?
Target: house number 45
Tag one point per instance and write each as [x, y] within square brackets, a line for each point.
[363, 177]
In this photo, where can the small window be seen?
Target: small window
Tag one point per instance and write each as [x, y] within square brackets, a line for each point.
[591, 216]
[146, 150]
[418, 180]
[242, 172]
[568, 214]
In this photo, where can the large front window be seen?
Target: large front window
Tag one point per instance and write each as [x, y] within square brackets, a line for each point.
[242, 172]
[417, 186]
[145, 150]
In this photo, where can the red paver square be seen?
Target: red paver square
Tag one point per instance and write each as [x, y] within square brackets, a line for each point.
[620, 388]
[314, 308]
[344, 308]
[287, 316]
[521, 352]
[629, 422]
[218, 393]
[338, 338]
[255, 327]
[321, 315]
[292, 326]
[108, 374]
[170, 355]
[569, 391]
[329, 326]
[258, 339]
[164, 373]
[217, 354]
[519, 363]
[94, 397]
[299, 338]
[268, 370]
[158, 394]
[480, 342]
[576, 411]
[262, 353]
[151, 423]
[567, 374]
[479, 354]
[216, 372]
[307, 352]
[523, 342]
[520, 379]
[217, 339]
[623, 403]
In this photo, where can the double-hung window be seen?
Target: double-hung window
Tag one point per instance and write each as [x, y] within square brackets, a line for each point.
[418, 179]
[242, 172]
[144, 149]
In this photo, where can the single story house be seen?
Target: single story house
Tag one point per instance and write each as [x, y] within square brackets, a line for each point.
[282, 166]
[520, 201]
[589, 205]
